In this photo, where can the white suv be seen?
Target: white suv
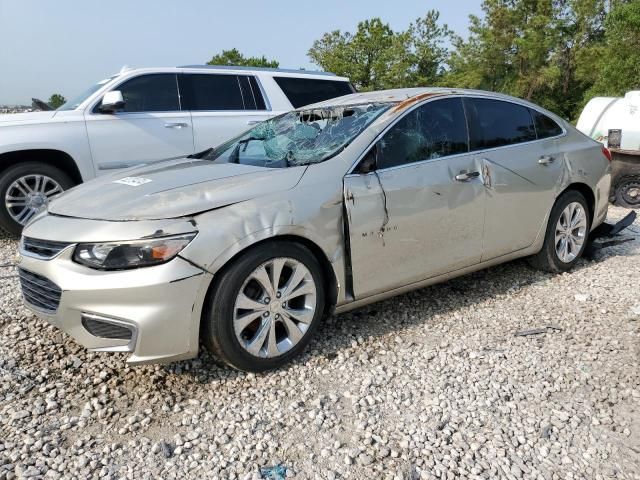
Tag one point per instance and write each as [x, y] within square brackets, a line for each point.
[140, 116]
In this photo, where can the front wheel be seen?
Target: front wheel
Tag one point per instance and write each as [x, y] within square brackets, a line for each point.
[567, 234]
[264, 307]
[25, 189]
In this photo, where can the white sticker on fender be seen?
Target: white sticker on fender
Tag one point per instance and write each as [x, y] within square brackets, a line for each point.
[133, 181]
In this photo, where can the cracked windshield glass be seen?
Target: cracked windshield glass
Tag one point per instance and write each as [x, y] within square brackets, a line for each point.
[299, 138]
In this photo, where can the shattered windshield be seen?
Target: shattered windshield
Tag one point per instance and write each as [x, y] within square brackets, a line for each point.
[300, 137]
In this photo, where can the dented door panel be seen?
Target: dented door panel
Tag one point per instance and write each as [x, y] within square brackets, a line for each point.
[432, 223]
[521, 184]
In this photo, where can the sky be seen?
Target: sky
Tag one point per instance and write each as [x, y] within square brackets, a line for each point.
[64, 46]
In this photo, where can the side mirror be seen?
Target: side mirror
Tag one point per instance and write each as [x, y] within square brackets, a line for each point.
[369, 162]
[112, 102]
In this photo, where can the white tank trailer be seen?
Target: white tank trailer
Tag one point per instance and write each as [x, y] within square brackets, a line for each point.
[615, 122]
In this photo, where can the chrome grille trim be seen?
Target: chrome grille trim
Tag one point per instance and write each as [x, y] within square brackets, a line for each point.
[39, 292]
[43, 249]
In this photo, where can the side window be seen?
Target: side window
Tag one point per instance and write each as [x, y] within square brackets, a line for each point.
[494, 123]
[545, 127]
[251, 93]
[150, 93]
[305, 91]
[435, 130]
[211, 92]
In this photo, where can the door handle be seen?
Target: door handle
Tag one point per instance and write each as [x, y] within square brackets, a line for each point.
[176, 125]
[546, 160]
[253, 122]
[465, 176]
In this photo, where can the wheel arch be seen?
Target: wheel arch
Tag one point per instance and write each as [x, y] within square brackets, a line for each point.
[53, 157]
[588, 194]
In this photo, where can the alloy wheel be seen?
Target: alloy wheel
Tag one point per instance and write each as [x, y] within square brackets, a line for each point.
[29, 194]
[571, 232]
[275, 307]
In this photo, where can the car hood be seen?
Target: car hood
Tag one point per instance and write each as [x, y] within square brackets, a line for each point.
[172, 189]
[28, 117]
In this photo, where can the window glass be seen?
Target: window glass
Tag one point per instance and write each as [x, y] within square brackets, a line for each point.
[212, 92]
[150, 93]
[494, 123]
[435, 130]
[247, 95]
[305, 91]
[545, 127]
[257, 94]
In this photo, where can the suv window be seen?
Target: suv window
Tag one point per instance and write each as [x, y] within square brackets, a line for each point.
[211, 92]
[494, 123]
[435, 130]
[151, 93]
[545, 127]
[305, 91]
[251, 94]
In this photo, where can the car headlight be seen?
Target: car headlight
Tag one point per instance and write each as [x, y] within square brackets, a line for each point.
[135, 254]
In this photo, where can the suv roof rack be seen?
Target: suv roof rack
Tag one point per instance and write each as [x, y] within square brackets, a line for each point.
[261, 69]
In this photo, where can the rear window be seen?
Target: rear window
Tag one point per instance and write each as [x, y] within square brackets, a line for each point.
[545, 127]
[494, 123]
[305, 91]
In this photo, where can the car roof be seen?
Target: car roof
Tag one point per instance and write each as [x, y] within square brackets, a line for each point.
[407, 95]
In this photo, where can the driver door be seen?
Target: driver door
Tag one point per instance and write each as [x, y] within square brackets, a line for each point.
[421, 212]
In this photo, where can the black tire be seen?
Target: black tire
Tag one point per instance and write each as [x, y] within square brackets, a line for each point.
[217, 332]
[627, 191]
[11, 174]
[547, 259]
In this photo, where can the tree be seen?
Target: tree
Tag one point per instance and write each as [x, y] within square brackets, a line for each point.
[233, 57]
[618, 64]
[376, 57]
[56, 100]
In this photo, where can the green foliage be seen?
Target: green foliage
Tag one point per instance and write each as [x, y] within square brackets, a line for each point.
[375, 57]
[234, 58]
[56, 100]
[557, 53]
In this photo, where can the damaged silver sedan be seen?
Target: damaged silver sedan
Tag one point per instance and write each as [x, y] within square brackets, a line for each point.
[246, 246]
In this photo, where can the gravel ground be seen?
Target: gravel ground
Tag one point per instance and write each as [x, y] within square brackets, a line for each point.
[432, 384]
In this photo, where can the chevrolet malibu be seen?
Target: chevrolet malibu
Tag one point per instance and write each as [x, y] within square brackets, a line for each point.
[246, 246]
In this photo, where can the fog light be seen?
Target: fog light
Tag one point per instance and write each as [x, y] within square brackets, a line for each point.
[106, 327]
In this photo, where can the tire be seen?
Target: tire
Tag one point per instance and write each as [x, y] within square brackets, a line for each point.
[548, 259]
[627, 191]
[223, 331]
[28, 170]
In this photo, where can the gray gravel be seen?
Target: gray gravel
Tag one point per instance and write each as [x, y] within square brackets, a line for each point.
[432, 384]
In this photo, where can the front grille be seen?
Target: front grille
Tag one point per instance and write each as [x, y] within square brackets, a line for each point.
[39, 291]
[43, 248]
[105, 329]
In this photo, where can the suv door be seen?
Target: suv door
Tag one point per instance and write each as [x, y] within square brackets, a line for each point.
[150, 127]
[421, 213]
[521, 171]
[222, 106]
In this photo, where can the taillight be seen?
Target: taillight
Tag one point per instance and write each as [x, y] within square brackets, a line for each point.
[606, 152]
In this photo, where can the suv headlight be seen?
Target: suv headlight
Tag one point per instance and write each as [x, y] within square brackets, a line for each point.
[134, 254]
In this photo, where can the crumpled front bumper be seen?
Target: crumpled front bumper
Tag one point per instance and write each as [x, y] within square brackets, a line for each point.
[161, 305]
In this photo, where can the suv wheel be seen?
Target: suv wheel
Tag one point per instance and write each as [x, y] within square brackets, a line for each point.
[265, 307]
[25, 189]
[567, 234]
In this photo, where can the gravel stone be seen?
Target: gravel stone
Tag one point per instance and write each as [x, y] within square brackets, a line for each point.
[431, 384]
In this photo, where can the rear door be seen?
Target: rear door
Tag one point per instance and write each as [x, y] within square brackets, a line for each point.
[421, 214]
[522, 168]
[222, 105]
[151, 127]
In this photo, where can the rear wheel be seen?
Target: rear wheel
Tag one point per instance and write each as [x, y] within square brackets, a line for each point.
[25, 189]
[567, 234]
[627, 192]
[265, 307]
